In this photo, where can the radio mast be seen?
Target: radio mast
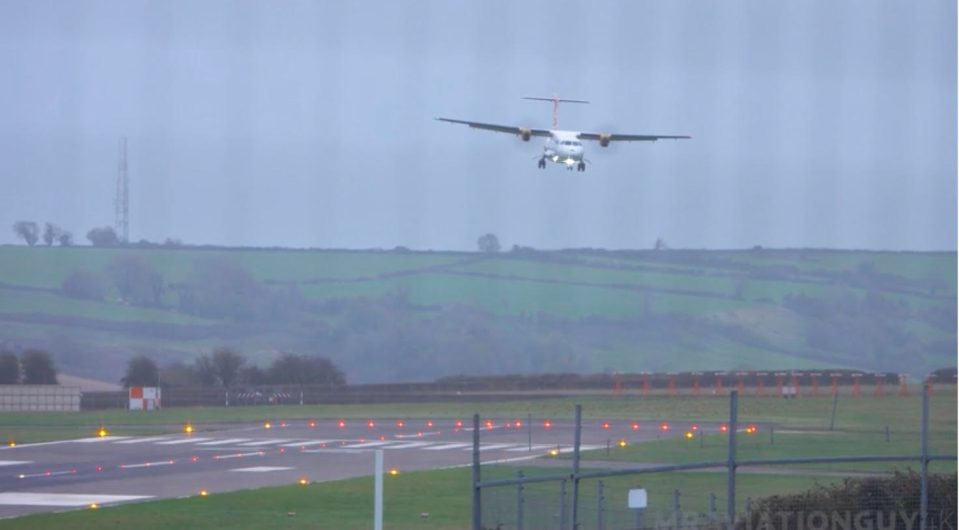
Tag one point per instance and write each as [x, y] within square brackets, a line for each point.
[121, 202]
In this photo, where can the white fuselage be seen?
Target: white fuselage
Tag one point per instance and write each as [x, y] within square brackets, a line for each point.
[563, 147]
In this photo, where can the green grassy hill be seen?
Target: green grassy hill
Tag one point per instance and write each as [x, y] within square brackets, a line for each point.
[417, 315]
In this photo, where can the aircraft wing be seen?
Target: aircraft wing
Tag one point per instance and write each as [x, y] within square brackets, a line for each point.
[519, 131]
[605, 138]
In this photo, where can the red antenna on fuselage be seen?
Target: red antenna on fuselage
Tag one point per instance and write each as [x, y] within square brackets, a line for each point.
[556, 101]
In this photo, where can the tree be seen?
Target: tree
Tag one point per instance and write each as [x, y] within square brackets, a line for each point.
[253, 375]
[660, 244]
[488, 243]
[65, 239]
[51, 233]
[226, 365]
[177, 374]
[38, 368]
[82, 284]
[291, 368]
[9, 368]
[28, 231]
[218, 288]
[103, 237]
[203, 370]
[136, 280]
[141, 371]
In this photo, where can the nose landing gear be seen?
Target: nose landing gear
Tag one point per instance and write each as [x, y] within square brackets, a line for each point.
[542, 163]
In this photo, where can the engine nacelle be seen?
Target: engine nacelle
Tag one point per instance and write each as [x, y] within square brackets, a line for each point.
[604, 139]
[525, 134]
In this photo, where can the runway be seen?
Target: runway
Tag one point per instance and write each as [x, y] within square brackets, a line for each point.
[70, 474]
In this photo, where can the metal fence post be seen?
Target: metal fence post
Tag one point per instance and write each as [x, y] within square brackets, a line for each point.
[832, 417]
[477, 499]
[519, 501]
[676, 509]
[712, 505]
[924, 461]
[576, 442]
[731, 463]
[600, 519]
[529, 430]
[562, 504]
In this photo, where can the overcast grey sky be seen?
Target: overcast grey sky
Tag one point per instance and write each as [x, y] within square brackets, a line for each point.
[310, 124]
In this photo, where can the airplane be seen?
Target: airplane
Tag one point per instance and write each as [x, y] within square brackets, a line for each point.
[563, 147]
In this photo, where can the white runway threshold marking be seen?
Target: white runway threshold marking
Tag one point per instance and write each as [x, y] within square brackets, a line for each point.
[63, 499]
[14, 462]
[261, 469]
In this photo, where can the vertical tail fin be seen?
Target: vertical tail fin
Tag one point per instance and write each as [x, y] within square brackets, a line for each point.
[556, 101]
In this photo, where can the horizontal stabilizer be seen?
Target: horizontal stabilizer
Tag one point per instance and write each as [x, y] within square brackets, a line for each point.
[557, 100]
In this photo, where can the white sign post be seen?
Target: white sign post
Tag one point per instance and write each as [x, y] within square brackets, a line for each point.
[637, 502]
[378, 490]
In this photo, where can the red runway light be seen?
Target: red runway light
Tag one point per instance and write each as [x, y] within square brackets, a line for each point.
[429, 423]
[664, 427]
[400, 424]
[459, 424]
[723, 428]
[99, 469]
[606, 425]
[547, 424]
[489, 424]
[518, 424]
[341, 424]
[195, 459]
[694, 427]
[635, 426]
[312, 424]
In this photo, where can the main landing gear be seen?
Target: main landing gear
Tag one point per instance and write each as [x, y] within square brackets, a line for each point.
[581, 166]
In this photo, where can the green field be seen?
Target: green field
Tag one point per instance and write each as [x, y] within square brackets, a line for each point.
[590, 311]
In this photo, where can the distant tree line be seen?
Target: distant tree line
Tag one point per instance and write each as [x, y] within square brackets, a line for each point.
[32, 367]
[103, 236]
[227, 368]
[30, 233]
[215, 288]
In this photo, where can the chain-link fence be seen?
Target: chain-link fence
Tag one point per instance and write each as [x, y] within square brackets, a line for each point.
[846, 487]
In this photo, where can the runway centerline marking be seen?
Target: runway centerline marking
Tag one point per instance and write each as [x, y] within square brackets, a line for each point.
[447, 446]
[266, 442]
[261, 469]
[96, 439]
[309, 443]
[226, 441]
[491, 447]
[366, 444]
[184, 441]
[146, 439]
[409, 445]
